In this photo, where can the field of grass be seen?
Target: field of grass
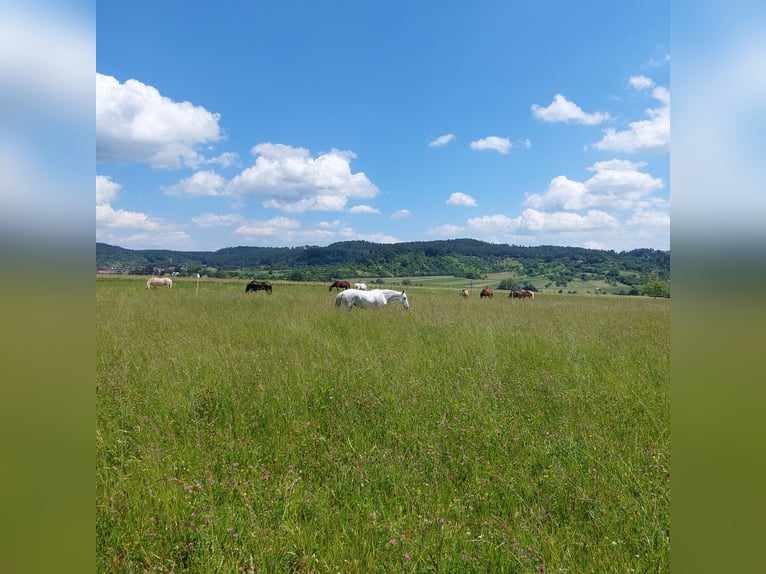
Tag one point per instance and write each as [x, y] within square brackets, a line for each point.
[257, 433]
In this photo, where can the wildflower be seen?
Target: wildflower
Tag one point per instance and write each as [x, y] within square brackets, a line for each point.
[542, 568]
[406, 557]
[393, 542]
[235, 535]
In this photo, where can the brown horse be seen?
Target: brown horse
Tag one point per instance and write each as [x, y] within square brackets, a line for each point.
[340, 285]
[487, 292]
[522, 294]
[258, 286]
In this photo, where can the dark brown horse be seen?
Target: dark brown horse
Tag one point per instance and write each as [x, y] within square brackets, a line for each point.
[258, 286]
[340, 285]
[487, 292]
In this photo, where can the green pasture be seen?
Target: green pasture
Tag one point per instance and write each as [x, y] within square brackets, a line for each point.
[275, 433]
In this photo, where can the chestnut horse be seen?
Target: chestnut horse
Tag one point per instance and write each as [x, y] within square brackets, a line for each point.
[522, 294]
[340, 285]
[486, 292]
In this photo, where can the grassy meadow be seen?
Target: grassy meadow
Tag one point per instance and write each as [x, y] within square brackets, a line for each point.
[274, 433]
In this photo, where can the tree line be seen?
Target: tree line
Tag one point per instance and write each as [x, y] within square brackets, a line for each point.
[468, 258]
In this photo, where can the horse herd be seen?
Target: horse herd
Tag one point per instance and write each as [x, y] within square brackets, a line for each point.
[490, 293]
[359, 296]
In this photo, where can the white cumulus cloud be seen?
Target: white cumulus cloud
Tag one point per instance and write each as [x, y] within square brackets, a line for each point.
[135, 123]
[562, 110]
[459, 198]
[217, 220]
[123, 227]
[641, 82]
[503, 145]
[201, 183]
[616, 184]
[532, 220]
[292, 180]
[652, 134]
[363, 209]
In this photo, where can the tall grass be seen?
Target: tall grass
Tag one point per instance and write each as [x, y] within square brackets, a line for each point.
[276, 433]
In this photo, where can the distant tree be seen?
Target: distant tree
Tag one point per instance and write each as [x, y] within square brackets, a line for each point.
[656, 287]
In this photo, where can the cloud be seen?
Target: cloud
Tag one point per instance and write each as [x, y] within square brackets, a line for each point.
[291, 180]
[274, 227]
[617, 184]
[400, 214]
[348, 234]
[562, 110]
[286, 231]
[459, 198]
[130, 227]
[442, 140]
[363, 209]
[641, 82]
[106, 216]
[652, 134]
[648, 218]
[444, 230]
[214, 220]
[503, 145]
[135, 123]
[202, 183]
[532, 220]
[106, 190]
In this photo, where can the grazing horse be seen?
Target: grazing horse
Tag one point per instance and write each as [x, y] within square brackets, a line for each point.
[392, 295]
[258, 286]
[159, 281]
[487, 292]
[522, 294]
[464, 292]
[338, 285]
[350, 298]
[360, 286]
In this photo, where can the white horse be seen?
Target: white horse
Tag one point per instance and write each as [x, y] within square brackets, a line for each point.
[360, 286]
[158, 282]
[392, 295]
[356, 297]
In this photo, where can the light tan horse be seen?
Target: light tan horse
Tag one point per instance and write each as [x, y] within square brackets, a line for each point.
[158, 282]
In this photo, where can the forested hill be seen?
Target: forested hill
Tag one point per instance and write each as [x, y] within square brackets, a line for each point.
[468, 258]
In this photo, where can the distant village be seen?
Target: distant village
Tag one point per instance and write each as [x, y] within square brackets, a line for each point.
[106, 270]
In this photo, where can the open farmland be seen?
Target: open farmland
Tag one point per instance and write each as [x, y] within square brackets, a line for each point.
[275, 433]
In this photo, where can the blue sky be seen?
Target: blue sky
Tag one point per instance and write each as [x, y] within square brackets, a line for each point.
[282, 123]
